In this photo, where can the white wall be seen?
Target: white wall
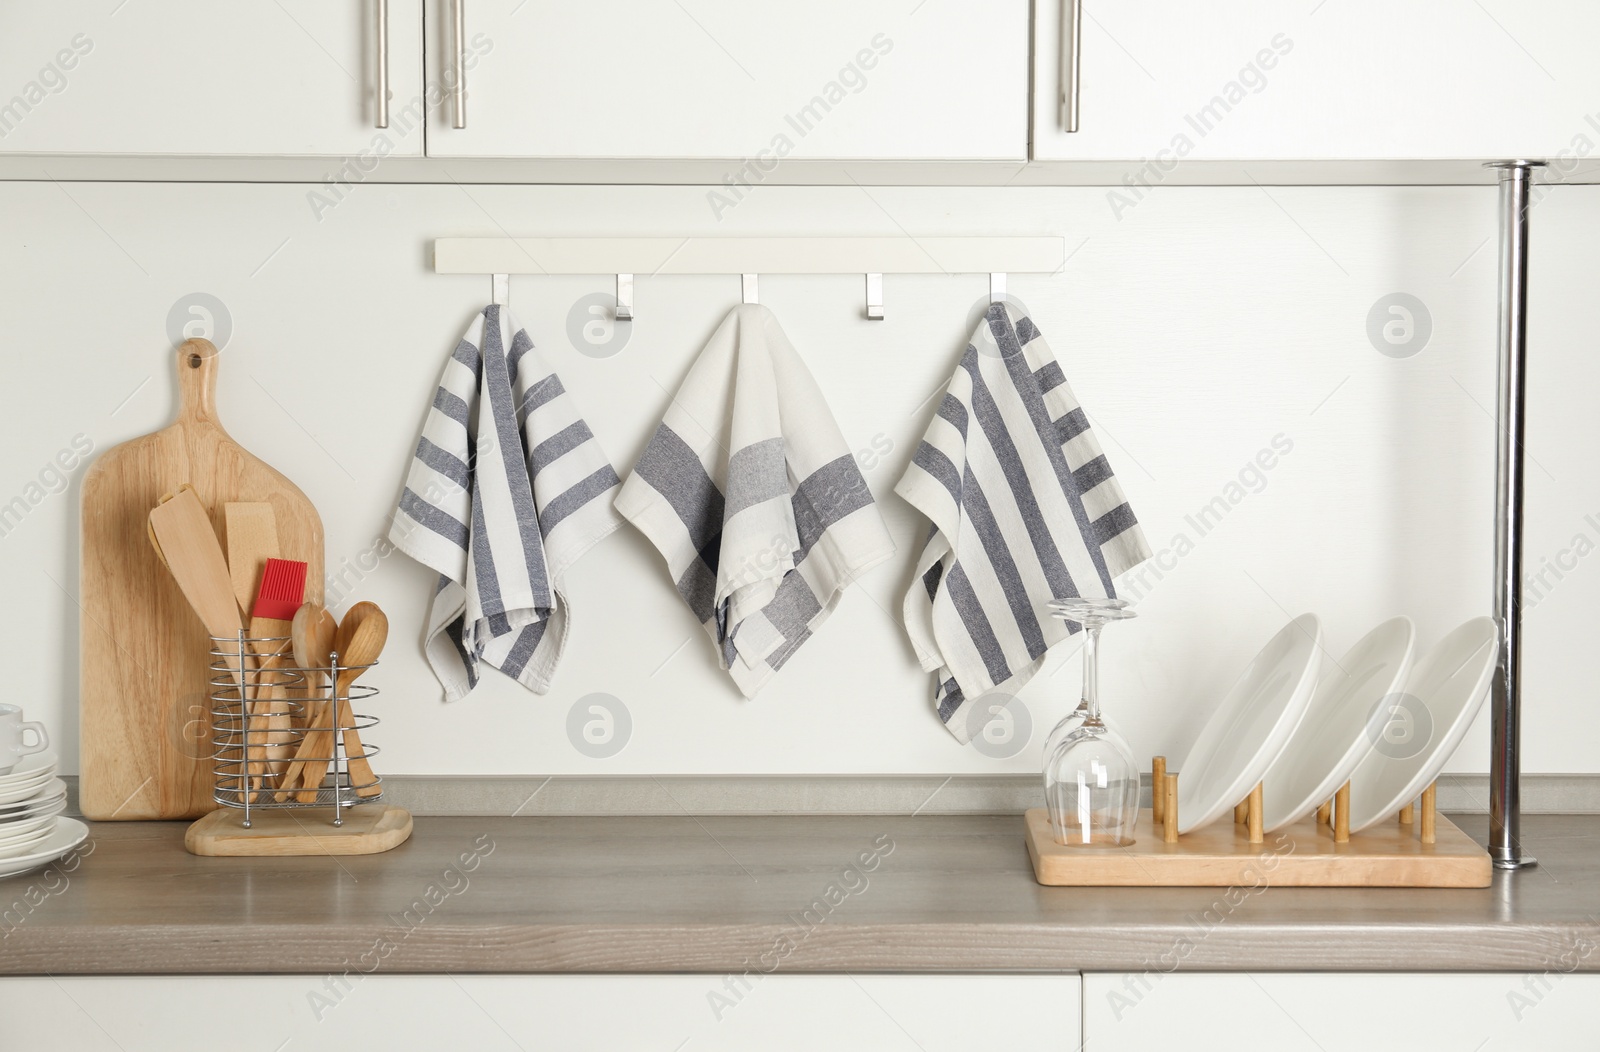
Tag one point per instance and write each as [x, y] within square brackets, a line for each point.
[1196, 327]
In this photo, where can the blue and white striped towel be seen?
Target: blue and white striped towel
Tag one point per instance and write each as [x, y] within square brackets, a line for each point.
[507, 490]
[1023, 508]
[749, 491]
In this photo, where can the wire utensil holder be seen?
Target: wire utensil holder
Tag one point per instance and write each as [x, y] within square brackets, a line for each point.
[276, 726]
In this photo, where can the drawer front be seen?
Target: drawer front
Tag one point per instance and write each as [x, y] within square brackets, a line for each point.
[296, 77]
[570, 1013]
[1547, 1011]
[754, 81]
[1167, 81]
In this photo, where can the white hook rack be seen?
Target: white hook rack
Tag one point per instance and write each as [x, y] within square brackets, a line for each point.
[626, 257]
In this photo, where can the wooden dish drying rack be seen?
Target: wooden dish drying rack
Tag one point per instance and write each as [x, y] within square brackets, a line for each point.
[1419, 849]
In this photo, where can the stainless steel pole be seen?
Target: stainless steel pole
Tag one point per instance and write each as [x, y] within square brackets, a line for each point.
[1505, 763]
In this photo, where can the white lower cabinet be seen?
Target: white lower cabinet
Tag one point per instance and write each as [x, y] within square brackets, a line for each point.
[557, 1013]
[1547, 1011]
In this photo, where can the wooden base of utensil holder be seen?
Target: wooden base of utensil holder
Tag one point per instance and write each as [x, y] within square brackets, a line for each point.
[309, 831]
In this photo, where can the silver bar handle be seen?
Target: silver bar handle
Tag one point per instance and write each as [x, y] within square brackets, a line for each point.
[459, 91]
[1071, 53]
[383, 64]
[1505, 759]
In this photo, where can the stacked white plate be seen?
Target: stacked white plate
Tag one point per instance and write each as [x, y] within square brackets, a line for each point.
[31, 833]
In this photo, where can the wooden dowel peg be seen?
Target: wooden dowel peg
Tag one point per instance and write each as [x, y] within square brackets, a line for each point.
[1341, 815]
[1325, 813]
[1253, 819]
[1158, 788]
[1241, 811]
[1406, 815]
[1429, 813]
[1169, 809]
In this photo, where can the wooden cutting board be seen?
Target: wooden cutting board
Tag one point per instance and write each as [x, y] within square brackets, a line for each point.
[145, 732]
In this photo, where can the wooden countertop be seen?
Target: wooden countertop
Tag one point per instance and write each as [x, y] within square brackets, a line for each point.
[866, 893]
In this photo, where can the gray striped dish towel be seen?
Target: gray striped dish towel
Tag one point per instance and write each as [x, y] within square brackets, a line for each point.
[507, 490]
[752, 496]
[1023, 508]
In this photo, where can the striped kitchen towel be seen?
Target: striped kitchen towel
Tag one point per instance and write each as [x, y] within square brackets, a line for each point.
[507, 490]
[1023, 508]
[749, 491]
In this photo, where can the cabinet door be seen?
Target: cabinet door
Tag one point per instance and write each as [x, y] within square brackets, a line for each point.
[1155, 1011]
[569, 1013]
[1161, 80]
[739, 79]
[197, 77]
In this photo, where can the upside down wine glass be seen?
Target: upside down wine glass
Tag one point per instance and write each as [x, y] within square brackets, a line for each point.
[1091, 784]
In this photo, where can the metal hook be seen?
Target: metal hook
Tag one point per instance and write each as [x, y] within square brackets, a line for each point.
[874, 297]
[624, 297]
[501, 291]
[997, 288]
[747, 288]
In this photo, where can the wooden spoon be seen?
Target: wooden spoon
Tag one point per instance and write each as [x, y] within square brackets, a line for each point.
[365, 641]
[360, 641]
[312, 635]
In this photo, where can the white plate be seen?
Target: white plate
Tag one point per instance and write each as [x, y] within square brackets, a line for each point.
[1335, 735]
[68, 834]
[47, 792]
[1245, 734]
[32, 782]
[10, 829]
[25, 846]
[53, 806]
[42, 809]
[12, 796]
[28, 769]
[23, 830]
[1415, 739]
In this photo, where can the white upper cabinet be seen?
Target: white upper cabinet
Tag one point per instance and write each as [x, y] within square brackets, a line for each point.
[756, 80]
[1161, 80]
[286, 77]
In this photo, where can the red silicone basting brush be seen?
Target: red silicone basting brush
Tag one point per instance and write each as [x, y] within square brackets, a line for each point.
[283, 588]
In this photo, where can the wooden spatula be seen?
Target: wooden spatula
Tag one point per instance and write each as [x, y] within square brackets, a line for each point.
[252, 530]
[181, 531]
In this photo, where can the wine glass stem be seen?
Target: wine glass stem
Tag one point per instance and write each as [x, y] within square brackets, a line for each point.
[1091, 670]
